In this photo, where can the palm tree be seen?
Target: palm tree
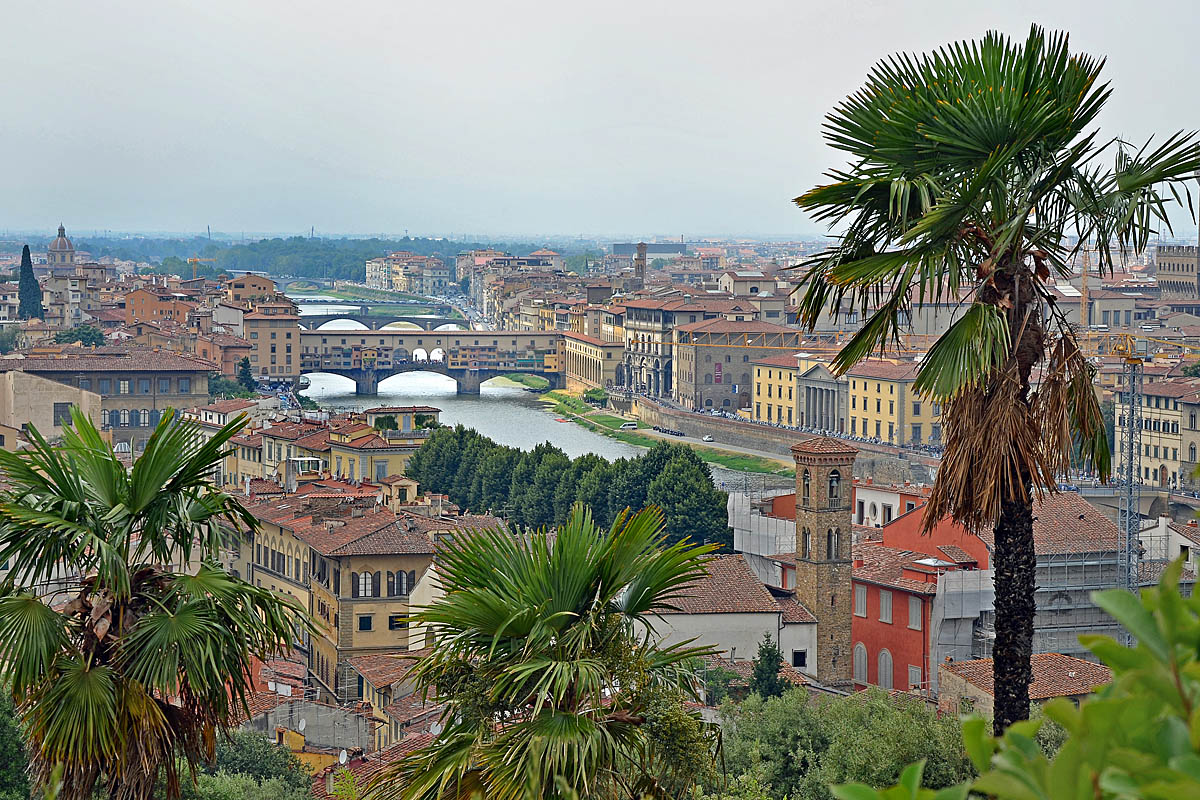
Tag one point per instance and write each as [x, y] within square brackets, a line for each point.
[975, 175]
[134, 666]
[555, 682]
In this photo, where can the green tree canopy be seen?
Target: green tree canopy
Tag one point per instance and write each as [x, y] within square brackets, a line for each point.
[87, 335]
[765, 680]
[29, 291]
[245, 375]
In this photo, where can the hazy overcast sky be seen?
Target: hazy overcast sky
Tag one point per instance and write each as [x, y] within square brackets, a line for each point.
[635, 118]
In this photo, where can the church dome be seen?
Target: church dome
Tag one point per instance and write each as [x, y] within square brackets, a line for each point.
[62, 243]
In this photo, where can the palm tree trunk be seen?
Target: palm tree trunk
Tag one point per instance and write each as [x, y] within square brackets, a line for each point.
[1014, 568]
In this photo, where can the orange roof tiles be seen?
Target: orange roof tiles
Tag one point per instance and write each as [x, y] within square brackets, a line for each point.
[728, 587]
[823, 445]
[1054, 675]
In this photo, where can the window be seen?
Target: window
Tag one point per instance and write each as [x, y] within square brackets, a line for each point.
[914, 613]
[164, 385]
[806, 488]
[365, 622]
[860, 601]
[123, 386]
[885, 606]
[106, 386]
[884, 680]
[860, 663]
[835, 488]
[185, 385]
[914, 677]
[124, 418]
[916, 409]
[62, 414]
[85, 383]
[806, 547]
[364, 584]
[397, 622]
[143, 386]
[831, 544]
[799, 659]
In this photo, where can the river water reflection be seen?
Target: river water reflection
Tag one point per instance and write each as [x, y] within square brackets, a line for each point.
[507, 414]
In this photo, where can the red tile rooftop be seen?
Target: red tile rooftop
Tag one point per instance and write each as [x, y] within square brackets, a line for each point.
[1054, 675]
[729, 587]
[823, 445]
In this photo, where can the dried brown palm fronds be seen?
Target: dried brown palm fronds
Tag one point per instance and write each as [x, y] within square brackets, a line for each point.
[992, 447]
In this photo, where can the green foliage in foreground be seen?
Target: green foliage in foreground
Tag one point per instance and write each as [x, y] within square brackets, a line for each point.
[14, 780]
[765, 680]
[1139, 737]
[247, 766]
[538, 487]
[795, 746]
[550, 632]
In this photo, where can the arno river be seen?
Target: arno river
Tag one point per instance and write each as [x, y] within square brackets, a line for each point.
[503, 412]
[506, 413]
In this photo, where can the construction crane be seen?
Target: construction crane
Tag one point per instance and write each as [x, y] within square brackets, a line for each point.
[1134, 351]
[194, 260]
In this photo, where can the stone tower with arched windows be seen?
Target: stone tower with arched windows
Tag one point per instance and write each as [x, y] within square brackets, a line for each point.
[824, 477]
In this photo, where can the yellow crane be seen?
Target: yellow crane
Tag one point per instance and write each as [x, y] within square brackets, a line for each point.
[194, 260]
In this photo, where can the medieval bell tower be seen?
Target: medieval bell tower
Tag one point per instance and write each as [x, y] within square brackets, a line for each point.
[824, 477]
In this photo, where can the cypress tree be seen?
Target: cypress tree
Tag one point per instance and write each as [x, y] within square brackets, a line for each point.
[30, 292]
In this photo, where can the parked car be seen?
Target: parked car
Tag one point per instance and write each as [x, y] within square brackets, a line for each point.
[629, 426]
[707, 438]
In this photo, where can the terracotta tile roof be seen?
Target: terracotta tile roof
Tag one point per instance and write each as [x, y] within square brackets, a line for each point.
[314, 441]
[1189, 531]
[729, 587]
[384, 669]
[365, 770]
[1066, 523]
[957, 554]
[264, 486]
[823, 445]
[1150, 572]
[413, 708]
[885, 566]
[258, 703]
[1054, 675]
[1173, 387]
[372, 442]
[884, 370]
[124, 360]
[229, 406]
[787, 361]
[793, 610]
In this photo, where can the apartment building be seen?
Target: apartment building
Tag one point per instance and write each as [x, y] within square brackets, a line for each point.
[884, 406]
[775, 390]
[273, 330]
[1168, 435]
[714, 358]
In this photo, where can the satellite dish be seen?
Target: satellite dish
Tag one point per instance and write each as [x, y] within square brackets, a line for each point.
[300, 727]
[342, 757]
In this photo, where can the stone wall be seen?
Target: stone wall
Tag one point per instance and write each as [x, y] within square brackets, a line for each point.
[882, 463]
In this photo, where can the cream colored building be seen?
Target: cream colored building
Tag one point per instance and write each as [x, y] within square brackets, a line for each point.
[775, 390]
[43, 403]
[1166, 439]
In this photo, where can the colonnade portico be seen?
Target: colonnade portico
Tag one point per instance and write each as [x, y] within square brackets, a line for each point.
[820, 409]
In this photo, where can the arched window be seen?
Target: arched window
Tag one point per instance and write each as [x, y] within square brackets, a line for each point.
[708, 359]
[831, 544]
[884, 680]
[708, 378]
[135, 418]
[745, 358]
[725, 403]
[124, 417]
[1192, 420]
[402, 582]
[364, 585]
[806, 488]
[806, 544]
[708, 403]
[835, 488]
[860, 663]
[412, 580]
[1191, 452]
[155, 416]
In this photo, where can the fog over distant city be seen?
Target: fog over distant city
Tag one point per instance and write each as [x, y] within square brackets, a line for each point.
[472, 119]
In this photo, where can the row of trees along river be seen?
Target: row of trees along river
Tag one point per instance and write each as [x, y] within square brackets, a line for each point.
[537, 487]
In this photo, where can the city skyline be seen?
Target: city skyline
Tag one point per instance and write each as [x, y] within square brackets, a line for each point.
[478, 123]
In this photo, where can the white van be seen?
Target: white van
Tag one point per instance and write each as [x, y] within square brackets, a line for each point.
[629, 426]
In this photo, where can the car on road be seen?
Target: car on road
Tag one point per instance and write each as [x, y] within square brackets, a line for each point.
[707, 438]
[629, 426]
